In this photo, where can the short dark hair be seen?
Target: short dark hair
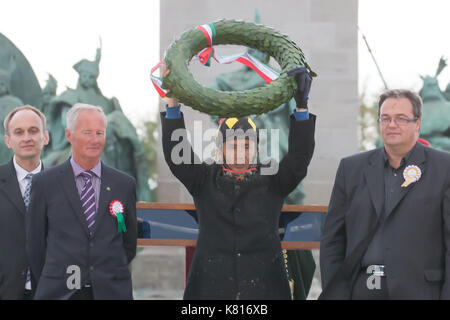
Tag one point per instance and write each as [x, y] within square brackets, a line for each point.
[25, 107]
[413, 97]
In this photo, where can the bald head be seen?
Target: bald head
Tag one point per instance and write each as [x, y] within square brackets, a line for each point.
[26, 135]
[10, 116]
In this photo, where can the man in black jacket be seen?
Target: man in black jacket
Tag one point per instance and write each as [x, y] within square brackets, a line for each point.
[25, 134]
[82, 232]
[387, 232]
[238, 253]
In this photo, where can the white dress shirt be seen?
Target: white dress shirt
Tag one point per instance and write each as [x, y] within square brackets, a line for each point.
[22, 173]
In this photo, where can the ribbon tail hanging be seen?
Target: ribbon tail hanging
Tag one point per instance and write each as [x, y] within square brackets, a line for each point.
[121, 223]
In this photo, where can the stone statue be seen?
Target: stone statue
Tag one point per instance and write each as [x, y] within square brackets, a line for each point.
[436, 111]
[301, 263]
[18, 86]
[48, 93]
[54, 124]
[7, 103]
[123, 149]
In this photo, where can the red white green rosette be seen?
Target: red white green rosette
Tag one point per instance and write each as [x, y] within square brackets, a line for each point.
[116, 209]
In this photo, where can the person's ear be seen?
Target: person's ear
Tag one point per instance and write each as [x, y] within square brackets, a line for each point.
[7, 140]
[418, 123]
[68, 135]
[46, 137]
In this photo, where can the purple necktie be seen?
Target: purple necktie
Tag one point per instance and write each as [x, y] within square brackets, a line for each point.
[88, 198]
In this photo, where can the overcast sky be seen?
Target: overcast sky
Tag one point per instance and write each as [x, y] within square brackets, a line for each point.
[55, 34]
[407, 38]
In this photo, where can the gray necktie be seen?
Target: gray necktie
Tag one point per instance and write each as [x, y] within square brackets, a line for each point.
[26, 200]
[26, 195]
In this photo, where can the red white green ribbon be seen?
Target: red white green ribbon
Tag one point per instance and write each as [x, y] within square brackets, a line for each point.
[206, 55]
[210, 33]
[247, 59]
[157, 81]
[116, 209]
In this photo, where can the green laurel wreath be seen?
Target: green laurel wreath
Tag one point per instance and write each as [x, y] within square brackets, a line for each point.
[182, 85]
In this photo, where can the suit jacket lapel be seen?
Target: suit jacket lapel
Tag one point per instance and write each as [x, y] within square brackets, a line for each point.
[70, 189]
[105, 196]
[10, 186]
[375, 181]
[416, 158]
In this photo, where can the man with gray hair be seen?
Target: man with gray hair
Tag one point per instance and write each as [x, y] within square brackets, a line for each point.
[83, 229]
[387, 231]
[26, 135]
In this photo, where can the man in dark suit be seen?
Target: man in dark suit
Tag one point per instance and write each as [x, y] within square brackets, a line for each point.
[26, 135]
[83, 230]
[387, 232]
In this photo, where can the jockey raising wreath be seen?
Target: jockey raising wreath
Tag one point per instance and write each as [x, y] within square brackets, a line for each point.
[181, 84]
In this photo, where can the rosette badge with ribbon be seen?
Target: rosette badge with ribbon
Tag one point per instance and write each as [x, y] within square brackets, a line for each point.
[198, 44]
[116, 209]
[411, 174]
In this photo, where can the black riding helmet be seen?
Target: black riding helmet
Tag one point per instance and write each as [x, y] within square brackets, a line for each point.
[235, 128]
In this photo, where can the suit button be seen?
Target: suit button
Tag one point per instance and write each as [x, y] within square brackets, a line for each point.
[91, 268]
[237, 210]
[91, 244]
[238, 254]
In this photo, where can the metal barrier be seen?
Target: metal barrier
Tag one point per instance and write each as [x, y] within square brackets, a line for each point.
[175, 224]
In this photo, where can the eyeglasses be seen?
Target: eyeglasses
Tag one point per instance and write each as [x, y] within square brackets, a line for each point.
[398, 121]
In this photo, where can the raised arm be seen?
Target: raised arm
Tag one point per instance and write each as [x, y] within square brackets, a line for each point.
[293, 167]
[178, 153]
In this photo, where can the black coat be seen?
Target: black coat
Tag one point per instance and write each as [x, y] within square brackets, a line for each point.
[13, 259]
[58, 235]
[416, 231]
[238, 254]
